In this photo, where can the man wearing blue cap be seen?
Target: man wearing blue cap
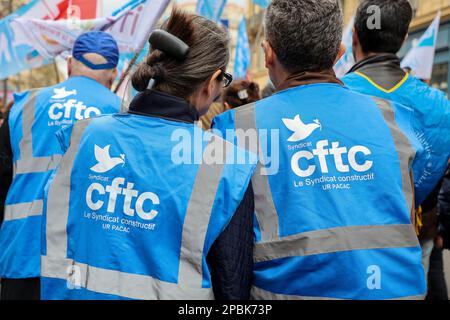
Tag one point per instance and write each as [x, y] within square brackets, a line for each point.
[29, 152]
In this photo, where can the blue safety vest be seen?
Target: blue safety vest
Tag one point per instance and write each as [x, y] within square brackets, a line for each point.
[333, 195]
[33, 121]
[135, 207]
[431, 124]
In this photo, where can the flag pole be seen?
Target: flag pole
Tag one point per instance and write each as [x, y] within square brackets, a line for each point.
[141, 46]
[132, 61]
[130, 66]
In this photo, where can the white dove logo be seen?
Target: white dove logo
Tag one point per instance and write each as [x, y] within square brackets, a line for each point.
[301, 130]
[105, 162]
[62, 93]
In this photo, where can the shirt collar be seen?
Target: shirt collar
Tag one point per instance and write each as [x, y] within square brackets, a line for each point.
[305, 78]
[383, 58]
[162, 105]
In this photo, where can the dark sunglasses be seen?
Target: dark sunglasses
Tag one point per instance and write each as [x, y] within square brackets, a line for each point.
[227, 79]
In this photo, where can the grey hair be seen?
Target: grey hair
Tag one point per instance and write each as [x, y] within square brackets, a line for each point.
[305, 34]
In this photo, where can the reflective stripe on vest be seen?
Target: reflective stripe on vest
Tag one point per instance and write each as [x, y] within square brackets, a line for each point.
[405, 152]
[266, 214]
[337, 240]
[27, 163]
[196, 222]
[133, 286]
[189, 286]
[261, 294]
[23, 210]
[59, 196]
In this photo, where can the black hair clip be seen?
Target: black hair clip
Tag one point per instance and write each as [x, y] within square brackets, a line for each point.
[169, 44]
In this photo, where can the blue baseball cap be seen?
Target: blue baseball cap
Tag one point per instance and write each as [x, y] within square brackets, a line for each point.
[98, 42]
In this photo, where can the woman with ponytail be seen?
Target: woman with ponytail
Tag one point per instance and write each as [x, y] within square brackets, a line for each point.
[146, 205]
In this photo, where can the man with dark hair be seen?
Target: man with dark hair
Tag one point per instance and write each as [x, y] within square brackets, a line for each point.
[388, 37]
[333, 192]
[378, 73]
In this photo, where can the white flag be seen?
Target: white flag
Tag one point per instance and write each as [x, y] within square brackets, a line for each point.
[420, 58]
[130, 26]
[133, 29]
[51, 38]
[347, 61]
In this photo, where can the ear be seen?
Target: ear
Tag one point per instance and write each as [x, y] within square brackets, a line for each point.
[114, 75]
[112, 78]
[341, 52]
[355, 39]
[269, 53]
[212, 83]
[69, 66]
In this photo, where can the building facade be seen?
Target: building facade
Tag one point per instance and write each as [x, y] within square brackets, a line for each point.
[255, 29]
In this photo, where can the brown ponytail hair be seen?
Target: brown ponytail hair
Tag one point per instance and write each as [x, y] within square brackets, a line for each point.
[232, 94]
[208, 52]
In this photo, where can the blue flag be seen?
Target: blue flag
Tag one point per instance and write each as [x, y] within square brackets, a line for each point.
[347, 61]
[243, 55]
[14, 55]
[262, 3]
[211, 9]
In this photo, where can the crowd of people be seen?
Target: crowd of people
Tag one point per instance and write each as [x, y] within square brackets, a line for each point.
[207, 188]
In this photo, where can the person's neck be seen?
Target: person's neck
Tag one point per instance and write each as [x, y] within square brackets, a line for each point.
[100, 81]
[364, 56]
[302, 78]
[278, 77]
